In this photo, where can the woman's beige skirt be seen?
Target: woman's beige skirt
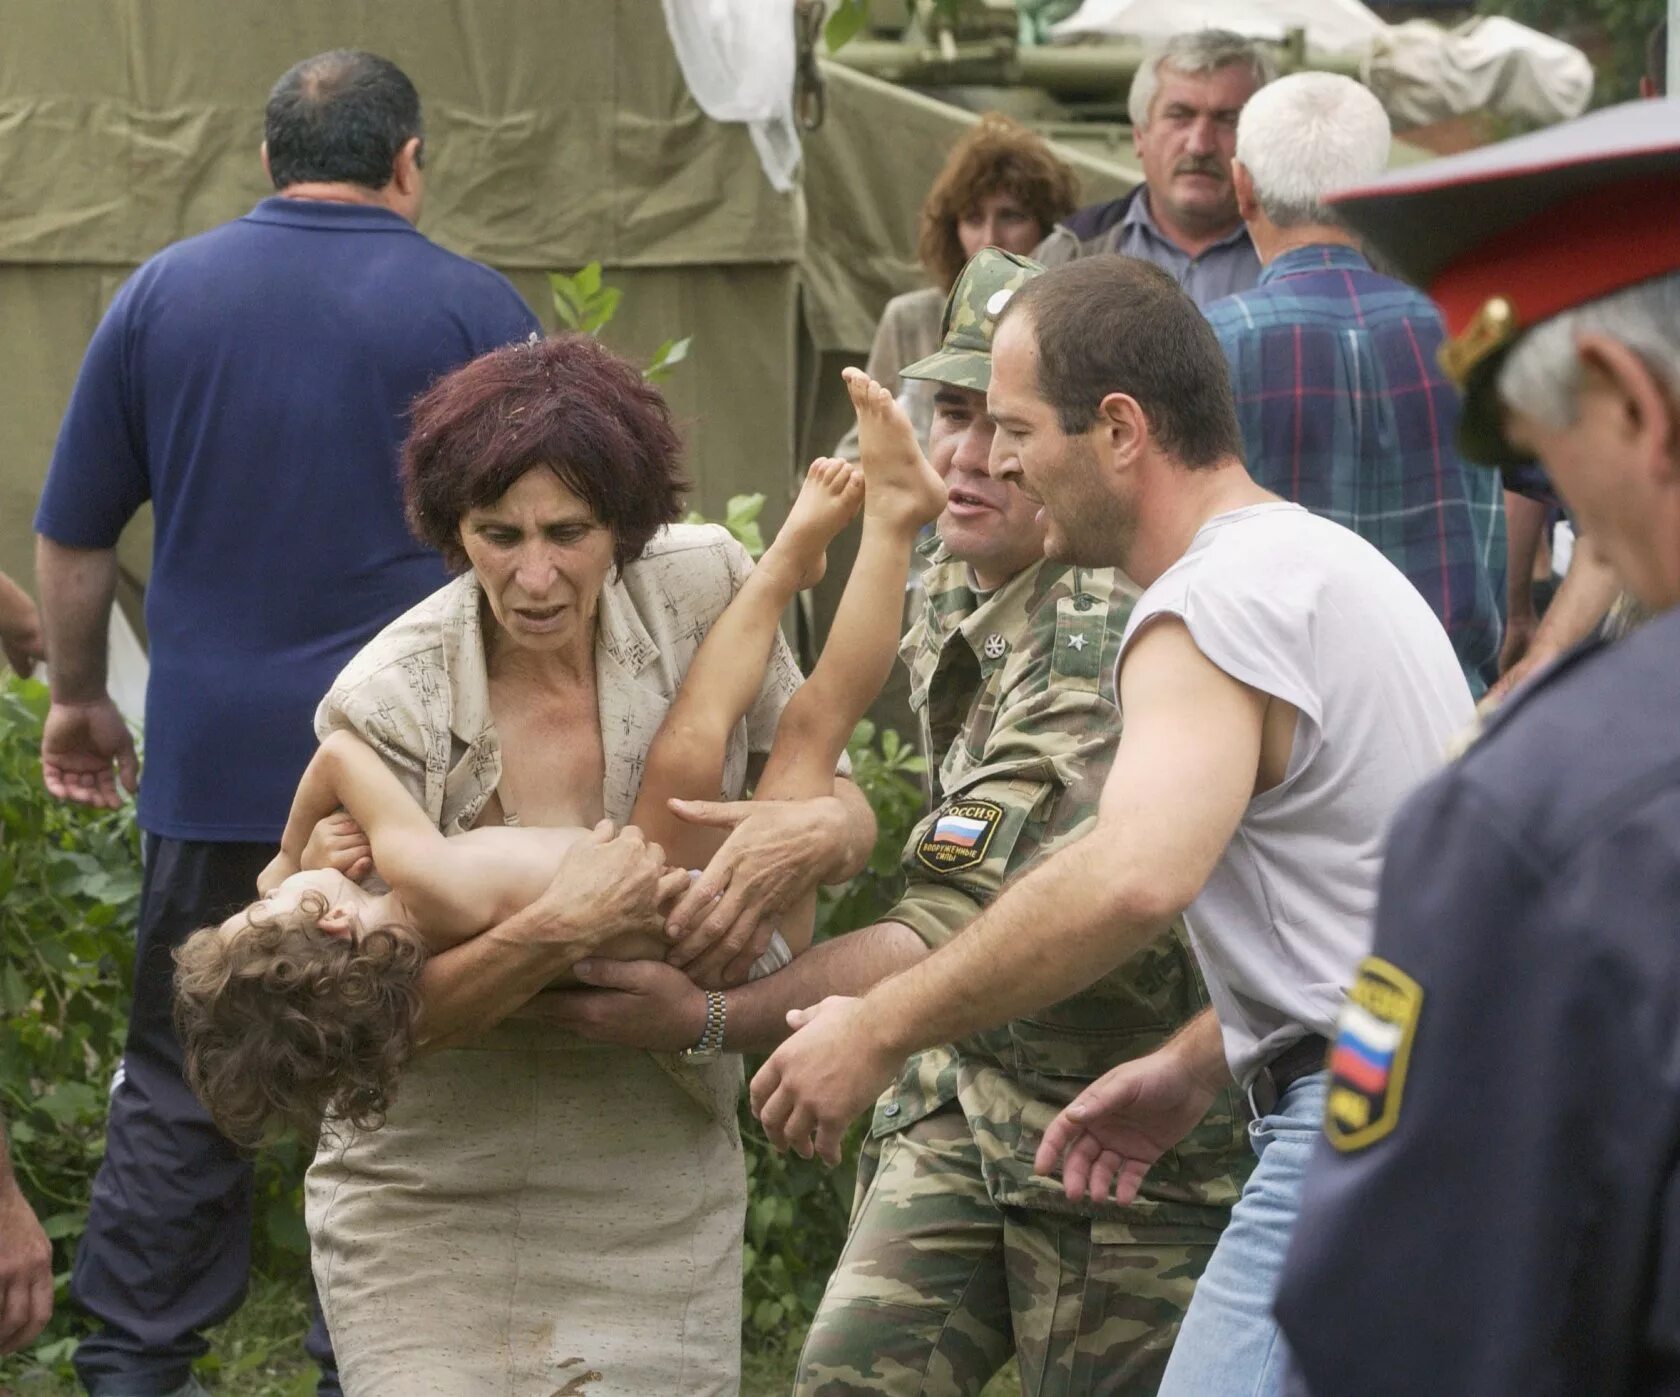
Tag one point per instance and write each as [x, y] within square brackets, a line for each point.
[533, 1220]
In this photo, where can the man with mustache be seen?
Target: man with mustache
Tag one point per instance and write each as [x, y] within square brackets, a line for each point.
[1183, 218]
[958, 1255]
[1284, 687]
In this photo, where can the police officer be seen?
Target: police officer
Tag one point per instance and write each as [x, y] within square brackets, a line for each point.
[958, 1254]
[1497, 1206]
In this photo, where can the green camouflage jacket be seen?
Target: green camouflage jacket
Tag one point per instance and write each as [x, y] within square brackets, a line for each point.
[1015, 695]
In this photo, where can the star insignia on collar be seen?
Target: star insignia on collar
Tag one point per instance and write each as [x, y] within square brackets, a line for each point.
[1076, 641]
[994, 647]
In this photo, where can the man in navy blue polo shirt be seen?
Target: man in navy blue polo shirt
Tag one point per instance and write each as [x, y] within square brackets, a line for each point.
[251, 383]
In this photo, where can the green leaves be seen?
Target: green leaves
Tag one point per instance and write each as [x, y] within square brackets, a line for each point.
[581, 301]
[798, 1208]
[69, 899]
[584, 302]
[741, 519]
[666, 358]
[69, 905]
[845, 23]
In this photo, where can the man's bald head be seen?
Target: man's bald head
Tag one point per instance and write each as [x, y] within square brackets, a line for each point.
[340, 117]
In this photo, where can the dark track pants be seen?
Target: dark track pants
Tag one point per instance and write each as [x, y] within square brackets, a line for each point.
[167, 1251]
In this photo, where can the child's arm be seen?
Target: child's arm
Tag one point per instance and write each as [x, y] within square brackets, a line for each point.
[685, 759]
[346, 772]
[902, 493]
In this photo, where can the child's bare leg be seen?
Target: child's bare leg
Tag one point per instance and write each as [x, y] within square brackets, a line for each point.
[724, 678]
[902, 492]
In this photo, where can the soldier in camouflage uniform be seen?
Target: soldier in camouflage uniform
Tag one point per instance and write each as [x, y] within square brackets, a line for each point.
[958, 1254]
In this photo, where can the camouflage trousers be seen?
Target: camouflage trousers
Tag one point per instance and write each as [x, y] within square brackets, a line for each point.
[938, 1285]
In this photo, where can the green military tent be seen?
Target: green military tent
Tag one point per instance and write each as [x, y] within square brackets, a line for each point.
[559, 132]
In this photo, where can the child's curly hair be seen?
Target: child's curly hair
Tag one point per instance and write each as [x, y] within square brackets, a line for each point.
[282, 1021]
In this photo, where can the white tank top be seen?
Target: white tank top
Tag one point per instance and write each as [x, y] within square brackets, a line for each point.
[1305, 609]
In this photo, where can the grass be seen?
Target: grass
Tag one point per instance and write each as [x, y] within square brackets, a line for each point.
[259, 1353]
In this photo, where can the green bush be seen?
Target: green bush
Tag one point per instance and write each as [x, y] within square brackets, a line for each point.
[69, 902]
[797, 1209]
[69, 894]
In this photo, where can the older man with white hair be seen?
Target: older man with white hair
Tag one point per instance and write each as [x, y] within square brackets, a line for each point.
[1183, 218]
[1342, 404]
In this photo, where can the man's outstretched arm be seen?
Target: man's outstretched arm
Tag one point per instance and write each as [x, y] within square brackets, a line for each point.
[649, 1004]
[1183, 776]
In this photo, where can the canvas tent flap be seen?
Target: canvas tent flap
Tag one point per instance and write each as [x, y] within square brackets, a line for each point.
[113, 148]
[559, 132]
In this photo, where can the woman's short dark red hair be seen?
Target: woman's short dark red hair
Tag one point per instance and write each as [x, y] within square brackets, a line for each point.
[567, 404]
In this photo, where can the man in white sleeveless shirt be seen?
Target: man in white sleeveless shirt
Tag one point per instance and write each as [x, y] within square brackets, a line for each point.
[1283, 686]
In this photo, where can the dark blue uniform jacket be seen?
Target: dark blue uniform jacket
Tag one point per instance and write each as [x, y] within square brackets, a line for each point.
[1517, 1229]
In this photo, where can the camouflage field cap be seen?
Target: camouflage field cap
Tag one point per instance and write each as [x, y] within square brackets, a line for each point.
[983, 289]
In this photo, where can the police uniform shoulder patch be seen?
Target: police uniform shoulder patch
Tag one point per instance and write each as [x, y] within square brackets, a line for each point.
[959, 836]
[1368, 1062]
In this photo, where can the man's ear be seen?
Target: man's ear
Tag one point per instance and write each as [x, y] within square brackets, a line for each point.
[1248, 207]
[262, 154]
[405, 172]
[1641, 413]
[1122, 430]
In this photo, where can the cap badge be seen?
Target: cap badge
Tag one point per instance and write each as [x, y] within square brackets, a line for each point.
[1493, 327]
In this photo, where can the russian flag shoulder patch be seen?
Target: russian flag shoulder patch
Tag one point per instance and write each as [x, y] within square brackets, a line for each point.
[959, 835]
[1368, 1060]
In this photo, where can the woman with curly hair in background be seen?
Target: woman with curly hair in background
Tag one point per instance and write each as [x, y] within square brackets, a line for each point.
[1002, 186]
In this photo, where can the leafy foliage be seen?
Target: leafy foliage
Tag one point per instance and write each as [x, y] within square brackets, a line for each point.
[69, 903]
[1622, 27]
[69, 896]
[741, 519]
[797, 1209]
[849, 18]
[584, 302]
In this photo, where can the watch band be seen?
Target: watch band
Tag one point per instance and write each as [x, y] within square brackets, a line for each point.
[711, 1036]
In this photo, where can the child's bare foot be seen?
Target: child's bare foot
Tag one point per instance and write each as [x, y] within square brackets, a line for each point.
[827, 502]
[900, 487]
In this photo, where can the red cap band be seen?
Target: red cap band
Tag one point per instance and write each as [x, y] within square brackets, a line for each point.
[1601, 241]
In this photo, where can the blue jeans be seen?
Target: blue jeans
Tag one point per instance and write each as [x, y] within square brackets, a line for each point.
[1229, 1344]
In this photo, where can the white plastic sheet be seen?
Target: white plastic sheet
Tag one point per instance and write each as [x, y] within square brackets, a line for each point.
[737, 57]
[1332, 26]
[1424, 73]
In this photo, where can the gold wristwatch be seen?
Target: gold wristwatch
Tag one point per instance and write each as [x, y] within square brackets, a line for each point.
[711, 1036]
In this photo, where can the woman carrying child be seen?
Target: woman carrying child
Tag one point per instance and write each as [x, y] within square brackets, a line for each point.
[536, 1211]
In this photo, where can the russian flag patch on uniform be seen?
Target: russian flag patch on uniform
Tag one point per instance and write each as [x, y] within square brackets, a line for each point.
[959, 835]
[1368, 1059]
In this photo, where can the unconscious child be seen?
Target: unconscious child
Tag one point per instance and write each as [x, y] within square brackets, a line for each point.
[305, 1005]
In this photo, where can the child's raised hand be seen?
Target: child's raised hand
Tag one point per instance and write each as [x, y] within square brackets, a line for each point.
[338, 843]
